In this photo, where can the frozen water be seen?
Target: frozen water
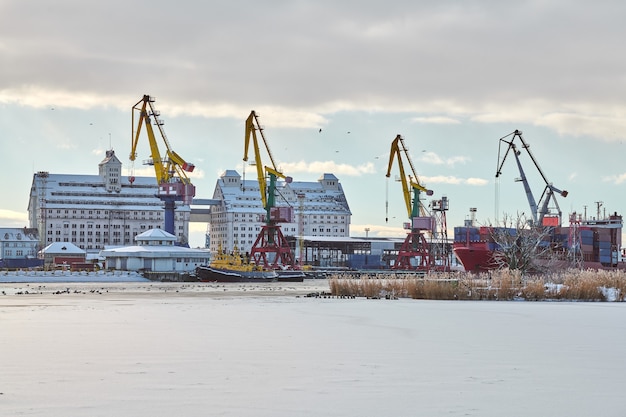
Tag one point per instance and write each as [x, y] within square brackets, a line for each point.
[155, 349]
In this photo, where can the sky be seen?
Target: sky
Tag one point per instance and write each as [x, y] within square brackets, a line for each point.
[452, 78]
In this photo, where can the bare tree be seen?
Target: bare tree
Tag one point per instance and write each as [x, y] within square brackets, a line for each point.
[522, 247]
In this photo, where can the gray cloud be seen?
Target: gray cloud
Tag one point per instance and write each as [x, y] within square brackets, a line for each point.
[554, 64]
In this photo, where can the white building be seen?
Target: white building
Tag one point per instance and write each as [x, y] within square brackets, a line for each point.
[18, 247]
[320, 208]
[59, 253]
[92, 211]
[155, 252]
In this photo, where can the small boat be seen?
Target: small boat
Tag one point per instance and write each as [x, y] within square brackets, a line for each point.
[232, 268]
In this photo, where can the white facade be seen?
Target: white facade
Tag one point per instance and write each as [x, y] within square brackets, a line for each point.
[61, 250]
[155, 251]
[17, 246]
[92, 211]
[320, 209]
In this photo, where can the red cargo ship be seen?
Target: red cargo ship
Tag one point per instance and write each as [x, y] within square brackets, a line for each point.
[586, 243]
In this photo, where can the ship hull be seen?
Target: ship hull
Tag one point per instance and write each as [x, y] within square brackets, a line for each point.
[475, 257]
[212, 274]
[290, 276]
[209, 274]
[478, 256]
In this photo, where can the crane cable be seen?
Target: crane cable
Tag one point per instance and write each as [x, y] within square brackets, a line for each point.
[387, 200]
[497, 182]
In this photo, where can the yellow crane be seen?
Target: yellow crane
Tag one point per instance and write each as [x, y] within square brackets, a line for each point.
[170, 170]
[413, 207]
[271, 249]
[268, 192]
[414, 252]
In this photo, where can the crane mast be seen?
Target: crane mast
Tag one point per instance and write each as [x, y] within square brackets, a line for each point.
[540, 213]
[414, 253]
[270, 250]
[170, 169]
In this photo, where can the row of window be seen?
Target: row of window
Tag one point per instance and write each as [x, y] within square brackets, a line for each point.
[19, 252]
[105, 212]
[89, 233]
[104, 241]
[250, 215]
[103, 226]
[19, 244]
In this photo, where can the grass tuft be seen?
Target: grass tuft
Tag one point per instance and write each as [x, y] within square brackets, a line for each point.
[589, 285]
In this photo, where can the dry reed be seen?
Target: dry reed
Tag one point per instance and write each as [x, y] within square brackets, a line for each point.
[588, 285]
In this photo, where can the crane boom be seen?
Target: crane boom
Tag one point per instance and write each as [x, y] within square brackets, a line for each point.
[414, 207]
[267, 192]
[537, 213]
[171, 169]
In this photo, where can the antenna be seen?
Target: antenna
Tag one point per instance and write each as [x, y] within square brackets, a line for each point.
[598, 206]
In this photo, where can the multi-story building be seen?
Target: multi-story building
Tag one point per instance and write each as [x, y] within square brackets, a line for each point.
[319, 209]
[94, 211]
[18, 247]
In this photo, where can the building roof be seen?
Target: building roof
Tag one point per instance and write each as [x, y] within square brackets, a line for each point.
[16, 233]
[89, 192]
[148, 251]
[154, 251]
[245, 195]
[155, 234]
[62, 248]
[110, 157]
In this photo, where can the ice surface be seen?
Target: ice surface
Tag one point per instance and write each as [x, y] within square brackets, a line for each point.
[155, 349]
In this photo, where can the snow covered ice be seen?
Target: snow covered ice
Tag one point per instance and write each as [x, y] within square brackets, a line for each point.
[181, 349]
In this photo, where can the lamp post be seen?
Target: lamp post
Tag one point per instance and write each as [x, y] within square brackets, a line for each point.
[367, 230]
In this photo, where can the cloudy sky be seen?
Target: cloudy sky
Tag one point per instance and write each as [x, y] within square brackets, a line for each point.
[452, 77]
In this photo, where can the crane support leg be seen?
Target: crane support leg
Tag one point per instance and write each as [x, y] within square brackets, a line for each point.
[414, 254]
[271, 249]
[170, 207]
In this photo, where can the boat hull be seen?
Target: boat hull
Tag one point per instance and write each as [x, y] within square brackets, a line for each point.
[209, 274]
[290, 276]
[475, 257]
[212, 274]
[475, 247]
